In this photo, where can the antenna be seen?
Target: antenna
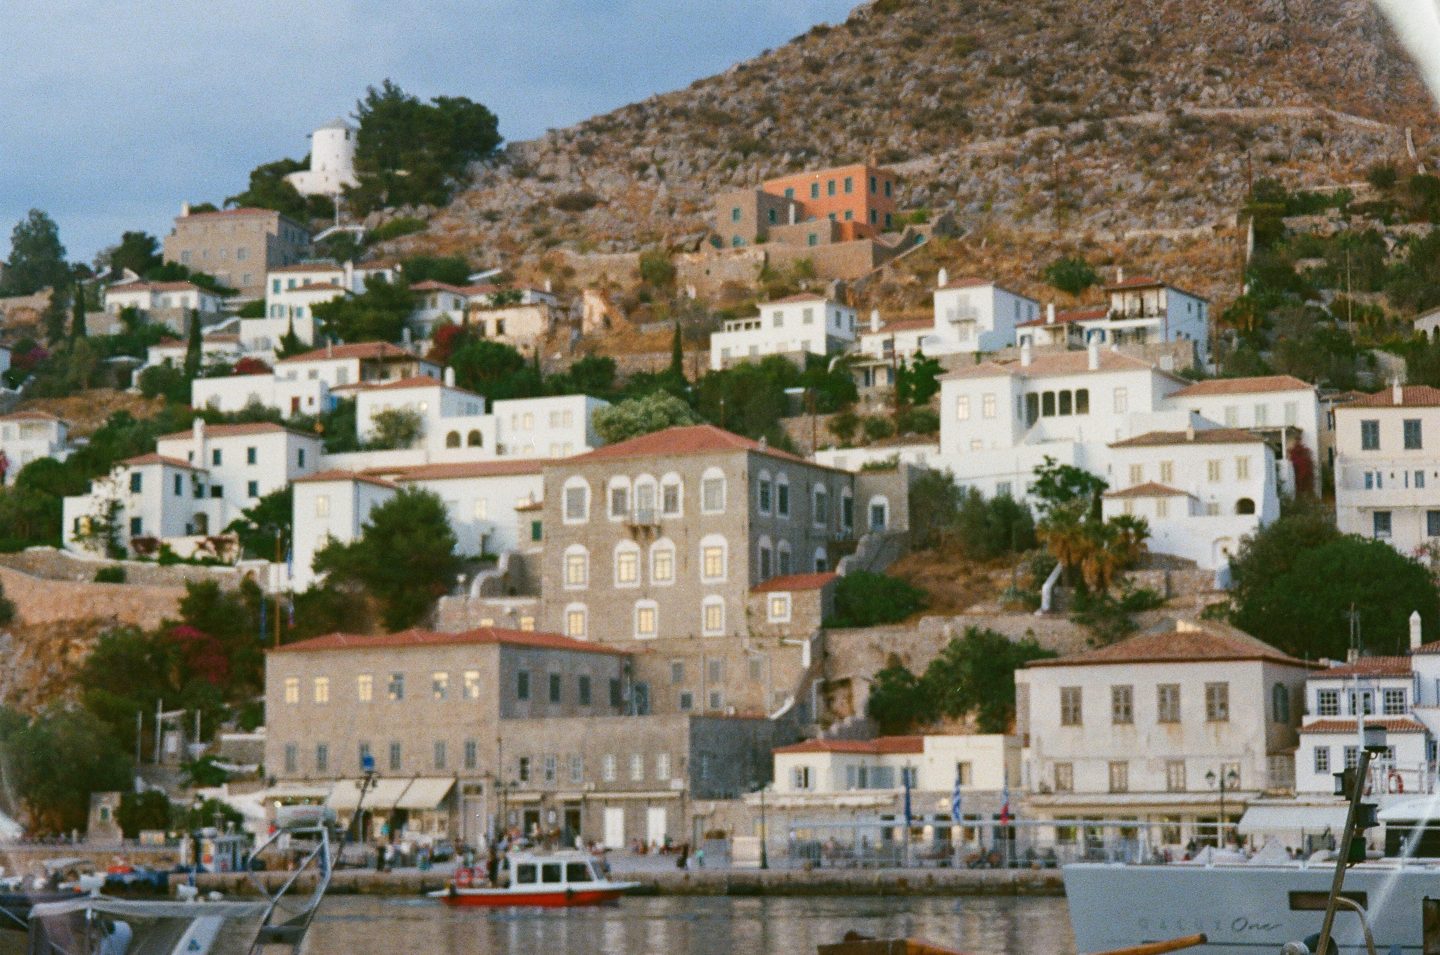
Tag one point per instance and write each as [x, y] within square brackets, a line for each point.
[1353, 616]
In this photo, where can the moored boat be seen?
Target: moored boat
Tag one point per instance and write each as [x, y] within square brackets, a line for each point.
[548, 880]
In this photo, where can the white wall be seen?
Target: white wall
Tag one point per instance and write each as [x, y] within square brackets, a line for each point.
[325, 511]
[482, 509]
[809, 326]
[235, 393]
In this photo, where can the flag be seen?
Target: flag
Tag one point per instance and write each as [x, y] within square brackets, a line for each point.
[905, 775]
[955, 800]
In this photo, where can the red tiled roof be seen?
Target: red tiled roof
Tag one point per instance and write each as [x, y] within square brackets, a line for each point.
[1066, 317]
[236, 430]
[968, 283]
[868, 747]
[416, 381]
[167, 342]
[1389, 725]
[461, 469]
[1043, 364]
[222, 337]
[683, 439]
[1145, 281]
[158, 287]
[430, 285]
[794, 582]
[32, 416]
[336, 474]
[1432, 647]
[1411, 396]
[1155, 439]
[1179, 646]
[1243, 386]
[428, 638]
[802, 297]
[159, 459]
[1370, 666]
[361, 350]
[377, 265]
[308, 267]
[1148, 489]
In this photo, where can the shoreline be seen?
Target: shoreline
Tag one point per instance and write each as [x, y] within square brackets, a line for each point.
[714, 882]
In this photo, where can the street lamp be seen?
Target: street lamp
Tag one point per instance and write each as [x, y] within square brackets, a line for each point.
[764, 831]
[1227, 778]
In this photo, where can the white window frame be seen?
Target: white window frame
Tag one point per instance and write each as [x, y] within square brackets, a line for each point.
[765, 494]
[710, 475]
[710, 603]
[575, 483]
[627, 549]
[662, 546]
[576, 556]
[777, 608]
[707, 542]
[642, 606]
[616, 483]
[571, 612]
[671, 480]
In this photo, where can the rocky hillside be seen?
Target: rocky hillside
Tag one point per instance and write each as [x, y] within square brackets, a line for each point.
[1092, 120]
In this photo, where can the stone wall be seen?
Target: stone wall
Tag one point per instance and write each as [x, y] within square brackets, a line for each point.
[42, 601]
[53, 564]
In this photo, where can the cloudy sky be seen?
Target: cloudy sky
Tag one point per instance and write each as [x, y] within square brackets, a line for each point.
[111, 115]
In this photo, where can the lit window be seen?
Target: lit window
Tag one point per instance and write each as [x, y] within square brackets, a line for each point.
[365, 688]
[627, 566]
[778, 608]
[439, 685]
[713, 617]
[712, 560]
[471, 686]
[322, 689]
[662, 564]
[645, 621]
[575, 623]
[292, 689]
[577, 568]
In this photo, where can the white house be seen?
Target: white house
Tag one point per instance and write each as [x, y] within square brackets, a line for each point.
[975, 315]
[435, 301]
[330, 506]
[1201, 490]
[1147, 728]
[222, 348]
[27, 436]
[361, 362]
[796, 326]
[1427, 324]
[1144, 310]
[1387, 481]
[551, 427]
[162, 296]
[1060, 329]
[195, 483]
[291, 396]
[332, 160]
[1378, 691]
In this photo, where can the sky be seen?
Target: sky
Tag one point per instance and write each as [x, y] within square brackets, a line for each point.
[111, 115]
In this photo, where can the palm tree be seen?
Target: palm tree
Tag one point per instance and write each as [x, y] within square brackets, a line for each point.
[1063, 532]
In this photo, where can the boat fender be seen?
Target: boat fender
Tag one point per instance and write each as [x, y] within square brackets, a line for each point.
[464, 877]
[569, 893]
[1394, 783]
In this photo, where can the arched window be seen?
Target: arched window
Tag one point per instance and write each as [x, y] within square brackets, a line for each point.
[821, 499]
[713, 558]
[672, 496]
[712, 491]
[645, 510]
[782, 495]
[627, 564]
[647, 620]
[1245, 506]
[474, 440]
[1280, 703]
[452, 440]
[847, 510]
[618, 505]
[577, 567]
[662, 562]
[766, 555]
[782, 558]
[764, 488]
[822, 560]
[577, 500]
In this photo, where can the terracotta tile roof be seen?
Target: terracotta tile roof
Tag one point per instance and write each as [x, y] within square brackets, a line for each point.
[307, 267]
[794, 582]
[869, 747]
[1045, 364]
[223, 337]
[361, 350]
[1369, 666]
[416, 381]
[1066, 317]
[336, 474]
[428, 638]
[461, 469]
[968, 283]
[1411, 396]
[1388, 724]
[145, 459]
[32, 416]
[684, 439]
[1243, 386]
[1148, 489]
[903, 325]
[237, 430]
[377, 265]
[1179, 646]
[791, 299]
[158, 287]
[430, 285]
[1432, 647]
[1145, 281]
[1155, 439]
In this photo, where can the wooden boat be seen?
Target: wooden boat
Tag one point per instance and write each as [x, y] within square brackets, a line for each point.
[548, 880]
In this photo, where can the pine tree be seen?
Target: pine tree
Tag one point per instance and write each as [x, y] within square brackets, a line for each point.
[77, 311]
[676, 372]
[290, 343]
[193, 354]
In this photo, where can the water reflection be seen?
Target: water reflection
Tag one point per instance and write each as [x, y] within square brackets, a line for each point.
[691, 926]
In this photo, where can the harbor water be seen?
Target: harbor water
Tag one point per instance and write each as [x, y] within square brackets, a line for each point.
[669, 925]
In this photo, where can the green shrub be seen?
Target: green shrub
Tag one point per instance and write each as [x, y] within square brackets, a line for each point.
[110, 575]
[877, 427]
[395, 228]
[863, 599]
[579, 201]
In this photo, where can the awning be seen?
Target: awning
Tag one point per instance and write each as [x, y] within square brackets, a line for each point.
[1293, 819]
[420, 792]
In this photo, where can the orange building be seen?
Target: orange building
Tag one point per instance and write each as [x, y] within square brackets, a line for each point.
[861, 198]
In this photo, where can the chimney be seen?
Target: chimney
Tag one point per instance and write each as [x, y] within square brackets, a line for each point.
[792, 213]
[1025, 356]
[350, 274]
[1119, 274]
[943, 279]
[874, 319]
[329, 348]
[449, 377]
[1190, 430]
[1397, 393]
[184, 209]
[548, 287]
[1094, 356]
[1050, 313]
[1352, 655]
[1415, 638]
[197, 437]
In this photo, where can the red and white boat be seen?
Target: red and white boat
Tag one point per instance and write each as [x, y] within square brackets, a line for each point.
[550, 880]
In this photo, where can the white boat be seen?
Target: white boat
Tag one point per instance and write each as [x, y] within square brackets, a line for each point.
[1245, 908]
[548, 880]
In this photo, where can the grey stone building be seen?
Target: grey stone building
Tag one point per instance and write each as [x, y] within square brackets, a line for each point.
[237, 246]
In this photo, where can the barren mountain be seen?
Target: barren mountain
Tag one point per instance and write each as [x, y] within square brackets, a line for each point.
[1088, 122]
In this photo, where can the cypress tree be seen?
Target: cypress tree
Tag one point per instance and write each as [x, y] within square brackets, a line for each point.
[77, 311]
[193, 354]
